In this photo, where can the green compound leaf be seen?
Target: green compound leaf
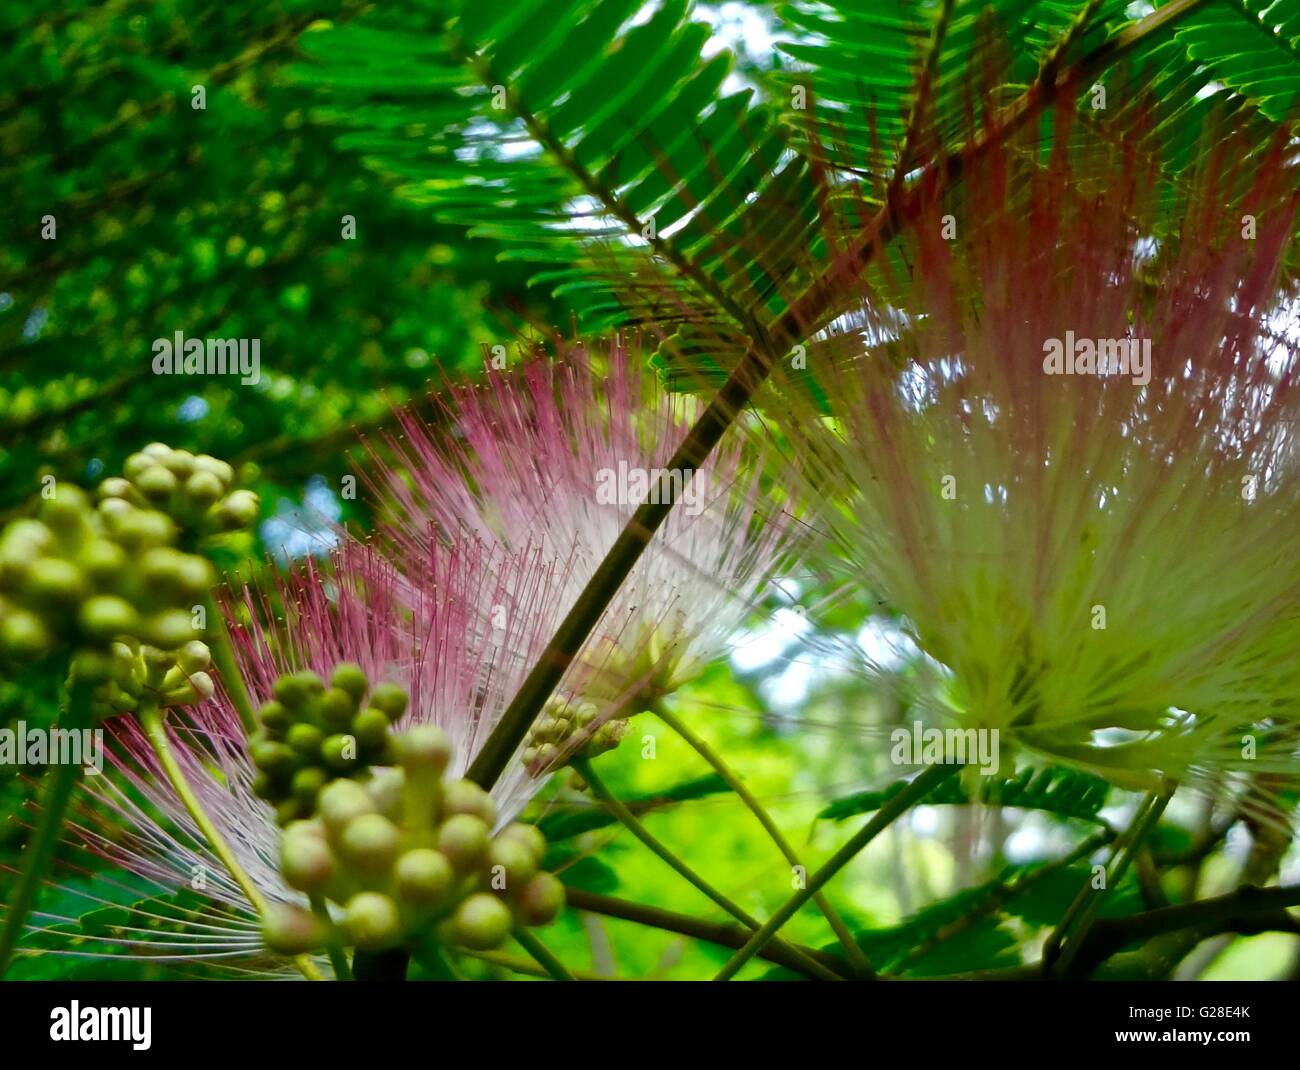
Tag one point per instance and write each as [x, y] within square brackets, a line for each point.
[565, 824]
[1065, 792]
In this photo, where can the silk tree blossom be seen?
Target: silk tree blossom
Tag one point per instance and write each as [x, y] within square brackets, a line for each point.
[1100, 556]
[468, 625]
[558, 454]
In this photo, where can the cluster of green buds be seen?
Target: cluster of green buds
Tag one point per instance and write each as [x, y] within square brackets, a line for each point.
[408, 856]
[82, 578]
[567, 729]
[170, 677]
[195, 490]
[311, 734]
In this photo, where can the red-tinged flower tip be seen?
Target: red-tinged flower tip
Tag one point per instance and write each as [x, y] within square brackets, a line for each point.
[558, 454]
[1062, 449]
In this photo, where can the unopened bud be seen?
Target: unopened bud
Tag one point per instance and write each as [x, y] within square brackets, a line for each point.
[53, 583]
[425, 746]
[424, 878]
[390, 698]
[306, 861]
[466, 797]
[350, 678]
[203, 488]
[290, 930]
[168, 630]
[516, 861]
[481, 922]
[464, 840]
[528, 835]
[341, 801]
[236, 510]
[337, 708]
[370, 844]
[156, 483]
[106, 617]
[370, 727]
[372, 921]
[194, 656]
[541, 899]
[24, 637]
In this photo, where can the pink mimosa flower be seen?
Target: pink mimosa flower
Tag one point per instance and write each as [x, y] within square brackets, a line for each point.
[468, 625]
[1063, 451]
[559, 454]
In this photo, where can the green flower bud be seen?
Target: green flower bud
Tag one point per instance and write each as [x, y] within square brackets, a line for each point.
[342, 801]
[274, 717]
[106, 617]
[21, 545]
[54, 583]
[464, 840]
[291, 930]
[466, 797]
[203, 488]
[139, 529]
[185, 574]
[528, 835]
[547, 729]
[103, 562]
[370, 844]
[197, 687]
[135, 464]
[424, 878]
[307, 784]
[237, 510]
[114, 511]
[206, 463]
[180, 463]
[336, 708]
[157, 484]
[372, 921]
[481, 922]
[67, 511]
[425, 746]
[305, 739]
[516, 862]
[387, 788]
[274, 759]
[117, 487]
[194, 656]
[541, 899]
[168, 630]
[306, 861]
[390, 698]
[339, 752]
[370, 726]
[296, 689]
[310, 827]
[350, 678]
[159, 451]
